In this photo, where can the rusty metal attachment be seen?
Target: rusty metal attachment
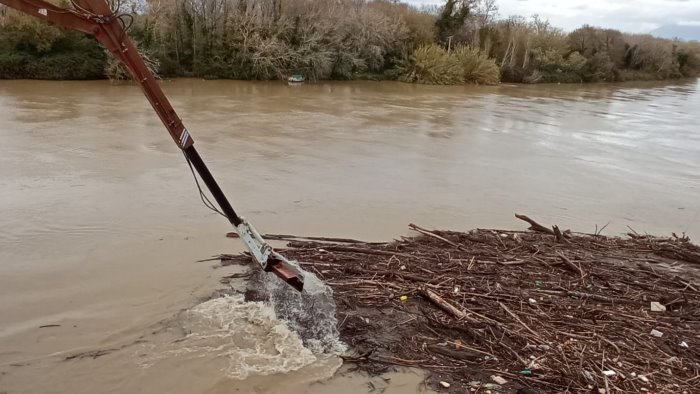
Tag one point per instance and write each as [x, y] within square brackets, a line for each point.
[286, 271]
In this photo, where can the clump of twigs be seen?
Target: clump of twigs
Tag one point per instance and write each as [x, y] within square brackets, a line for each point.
[544, 310]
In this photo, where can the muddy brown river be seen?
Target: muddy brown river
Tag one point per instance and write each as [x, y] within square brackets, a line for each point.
[101, 224]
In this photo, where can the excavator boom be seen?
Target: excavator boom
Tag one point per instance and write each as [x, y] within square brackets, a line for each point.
[95, 17]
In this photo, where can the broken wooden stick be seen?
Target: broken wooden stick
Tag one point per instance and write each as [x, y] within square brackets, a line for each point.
[431, 234]
[558, 236]
[514, 316]
[456, 354]
[442, 304]
[579, 294]
[573, 267]
[534, 226]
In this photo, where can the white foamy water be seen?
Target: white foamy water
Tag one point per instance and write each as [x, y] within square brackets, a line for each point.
[288, 332]
[247, 334]
[310, 313]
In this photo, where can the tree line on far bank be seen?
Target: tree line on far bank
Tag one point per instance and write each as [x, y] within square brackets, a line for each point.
[462, 41]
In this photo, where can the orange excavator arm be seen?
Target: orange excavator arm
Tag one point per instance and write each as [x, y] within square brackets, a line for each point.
[95, 17]
[52, 14]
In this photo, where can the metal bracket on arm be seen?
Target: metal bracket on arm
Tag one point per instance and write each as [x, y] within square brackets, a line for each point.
[257, 246]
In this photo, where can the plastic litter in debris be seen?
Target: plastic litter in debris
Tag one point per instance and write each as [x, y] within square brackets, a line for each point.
[498, 380]
[657, 334]
[445, 385]
[403, 298]
[658, 307]
[609, 373]
[532, 301]
[643, 378]
[684, 344]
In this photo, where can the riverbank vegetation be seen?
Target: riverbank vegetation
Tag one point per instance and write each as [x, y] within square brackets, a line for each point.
[463, 41]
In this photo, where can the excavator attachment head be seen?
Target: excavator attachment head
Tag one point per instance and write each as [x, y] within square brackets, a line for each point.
[268, 259]
[286, 271]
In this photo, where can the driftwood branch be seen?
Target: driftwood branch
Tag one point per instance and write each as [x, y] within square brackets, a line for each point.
[559, 236]
[569, 264]
[351, 249]
[433, 235]
[456, 354]
[442, 304]
[514, 316]
[534, 226]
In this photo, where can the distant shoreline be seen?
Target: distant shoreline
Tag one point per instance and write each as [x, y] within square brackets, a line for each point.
[369, 80]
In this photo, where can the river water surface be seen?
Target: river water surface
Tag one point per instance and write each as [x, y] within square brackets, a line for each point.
[101, 224]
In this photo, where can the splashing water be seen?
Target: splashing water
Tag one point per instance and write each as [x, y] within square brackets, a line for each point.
[248, 334]
[259, 342]
[287, 332]
[310, 313]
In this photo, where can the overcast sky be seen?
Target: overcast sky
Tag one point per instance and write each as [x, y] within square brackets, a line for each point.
[638, 16]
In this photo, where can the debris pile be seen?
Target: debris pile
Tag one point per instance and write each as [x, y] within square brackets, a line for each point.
[543, 311]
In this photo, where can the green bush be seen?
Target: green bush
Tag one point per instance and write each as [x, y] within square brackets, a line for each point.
[13, 65]
[477, 66]
[345, 65]
[688, 62]
[552, 67]
[59, 66]
[598, 68]
[432, 65]
[69, 65]
[69, 55]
